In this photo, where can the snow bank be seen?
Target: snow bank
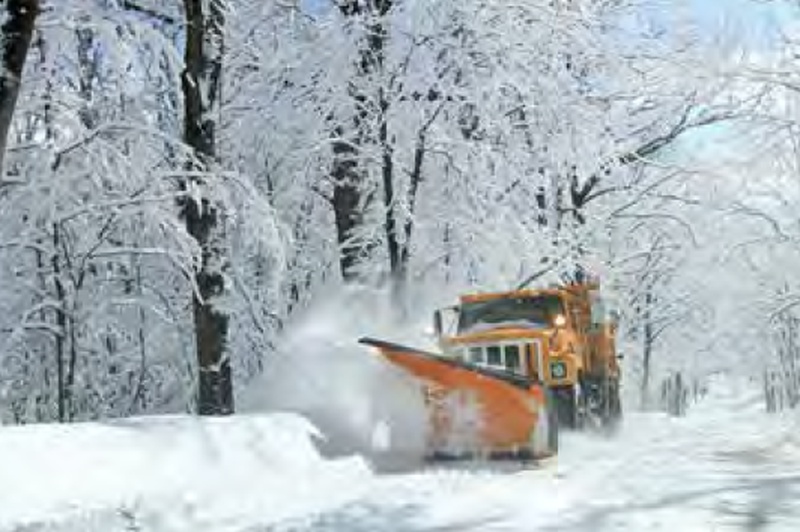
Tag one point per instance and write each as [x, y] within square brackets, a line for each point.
[359, 401]
[213, 469]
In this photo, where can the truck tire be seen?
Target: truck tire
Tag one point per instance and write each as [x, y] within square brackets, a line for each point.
[570, 411]
[553, 423]
[615, 404]
[545, 437]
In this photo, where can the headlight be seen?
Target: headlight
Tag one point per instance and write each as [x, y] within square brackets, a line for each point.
[558, 370]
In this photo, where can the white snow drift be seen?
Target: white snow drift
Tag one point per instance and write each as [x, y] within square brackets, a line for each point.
[176, 467]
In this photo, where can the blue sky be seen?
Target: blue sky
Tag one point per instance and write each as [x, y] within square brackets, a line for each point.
[751, 24]
[756, 22]
[748, 23]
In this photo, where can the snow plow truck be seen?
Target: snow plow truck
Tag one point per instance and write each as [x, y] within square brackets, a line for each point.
[513, 366]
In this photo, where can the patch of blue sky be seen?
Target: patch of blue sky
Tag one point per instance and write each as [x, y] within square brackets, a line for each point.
[316, 7]
[739, 23]
[754, 23]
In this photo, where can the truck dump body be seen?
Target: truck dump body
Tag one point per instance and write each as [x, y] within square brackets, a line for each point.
[475, 410]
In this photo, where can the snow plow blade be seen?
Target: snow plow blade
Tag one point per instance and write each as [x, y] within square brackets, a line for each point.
[476, 411]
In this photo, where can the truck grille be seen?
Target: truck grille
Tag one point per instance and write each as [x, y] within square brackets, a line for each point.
[506, 356]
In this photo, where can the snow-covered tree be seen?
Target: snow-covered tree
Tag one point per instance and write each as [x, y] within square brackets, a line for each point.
[16, 33]
[187, 176]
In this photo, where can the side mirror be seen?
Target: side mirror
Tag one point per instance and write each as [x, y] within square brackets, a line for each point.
[437, 323]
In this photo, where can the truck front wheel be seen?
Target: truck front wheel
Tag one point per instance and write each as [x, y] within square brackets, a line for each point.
[569, 406]
[545, 436]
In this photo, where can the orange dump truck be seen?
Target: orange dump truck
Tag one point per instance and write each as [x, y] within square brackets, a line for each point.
[513, 366]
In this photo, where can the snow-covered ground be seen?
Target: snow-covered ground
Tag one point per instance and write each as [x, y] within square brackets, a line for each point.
[726, 466]
[169, 473]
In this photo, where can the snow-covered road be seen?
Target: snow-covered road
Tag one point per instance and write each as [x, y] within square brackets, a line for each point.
[726, 466]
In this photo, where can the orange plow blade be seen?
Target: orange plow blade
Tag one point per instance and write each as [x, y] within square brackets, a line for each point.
[473, 410]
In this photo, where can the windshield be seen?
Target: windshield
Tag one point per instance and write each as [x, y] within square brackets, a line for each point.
[532, 312]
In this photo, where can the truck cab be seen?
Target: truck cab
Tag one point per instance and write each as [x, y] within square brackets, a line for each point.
[562, 337]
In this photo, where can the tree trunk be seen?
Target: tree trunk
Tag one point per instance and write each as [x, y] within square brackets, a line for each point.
[351, 187]
[87, 66]
[348, 203]
[201, 82]
[16, 34]
[648, 347]
[400, 252]
[61, 323]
